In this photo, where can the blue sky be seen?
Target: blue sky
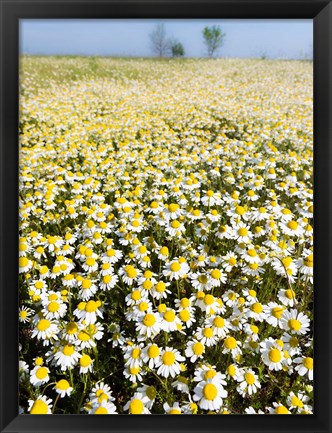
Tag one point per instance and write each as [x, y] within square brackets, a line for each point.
[244, 38]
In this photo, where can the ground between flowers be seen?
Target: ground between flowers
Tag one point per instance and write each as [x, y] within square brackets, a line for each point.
[166, 240]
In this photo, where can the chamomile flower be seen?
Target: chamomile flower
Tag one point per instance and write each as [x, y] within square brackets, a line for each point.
[137, 404]
[39, 375]
[66, 357]
[209, 395]
[305, 366]
[248, 382]
[195, 350]
[272, 354]
[295, 322]
[40, 406]
[63, 388]
[169, 363]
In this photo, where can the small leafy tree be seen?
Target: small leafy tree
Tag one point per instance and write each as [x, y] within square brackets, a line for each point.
[160, 43]
[177, 49]
[213, 39]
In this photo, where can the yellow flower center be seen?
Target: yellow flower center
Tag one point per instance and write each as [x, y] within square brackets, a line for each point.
[277, 312]
[149, 320]
[243, 231]
[91, 306]
[208, 332]
[274, 355]
[208, 300]
[136, 407]
[294, 324]
[184, 315]
[85, 361]
[290, 294]
[41, 373]
[295, 401]
[230, 343]
[210, 391]
[101, 411]
[131, 271]
[135, 353]
[169, 316]
[174, 412]
[39, 407]
[308, 363]
[168, 358]
[153, 351]
[256, 308]
[216, 274]
[43, 324]
[249, 378]
[292, 225]
[63, 384]
[219, 322]
[281, 410]
[53, 307]
[198, 348]
[175, 267]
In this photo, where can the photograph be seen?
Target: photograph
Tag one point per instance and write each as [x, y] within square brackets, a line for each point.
[166, 224]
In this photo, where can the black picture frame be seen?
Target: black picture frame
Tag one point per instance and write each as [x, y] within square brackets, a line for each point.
[14, 10]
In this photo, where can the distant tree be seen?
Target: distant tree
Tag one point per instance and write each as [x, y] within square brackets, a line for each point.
[177, 49]
[213, 39]
[160, 44]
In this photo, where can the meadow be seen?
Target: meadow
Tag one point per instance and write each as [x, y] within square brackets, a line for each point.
[166, 236]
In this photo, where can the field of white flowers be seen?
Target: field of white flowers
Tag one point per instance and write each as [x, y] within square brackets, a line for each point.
[166, 239]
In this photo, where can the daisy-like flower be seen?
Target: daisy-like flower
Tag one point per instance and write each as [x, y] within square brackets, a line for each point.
[207, 336]
[249, 383]
[66, 357]
[209, 395]
[134, 374]
[287, 297]
[272, 354]
[176, 269]
[278, 409]
[151, 355]
[217, 277]
[89, 311]
[45, 330]
[242, 233]
[160, 290]
[200, 281]
[305, 366]
[256, 311]
[219, 325]
[86, 364]
[149, 324]
[232, 346]
[169, 363]
[63, 388]
[292, 228]
[181, 384]
[274, 313]
[39, 375]
[129, 274]
[137, 404]
[103, 408]
[170, 321]
[207, 303]
[175, 409]
[211, 198]
[297, 401]
[195, 350]
[305, 265]
[40, 406]
[295, 322]
[150, 392]
[133, 355]
[24, 264]
[24, 314]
